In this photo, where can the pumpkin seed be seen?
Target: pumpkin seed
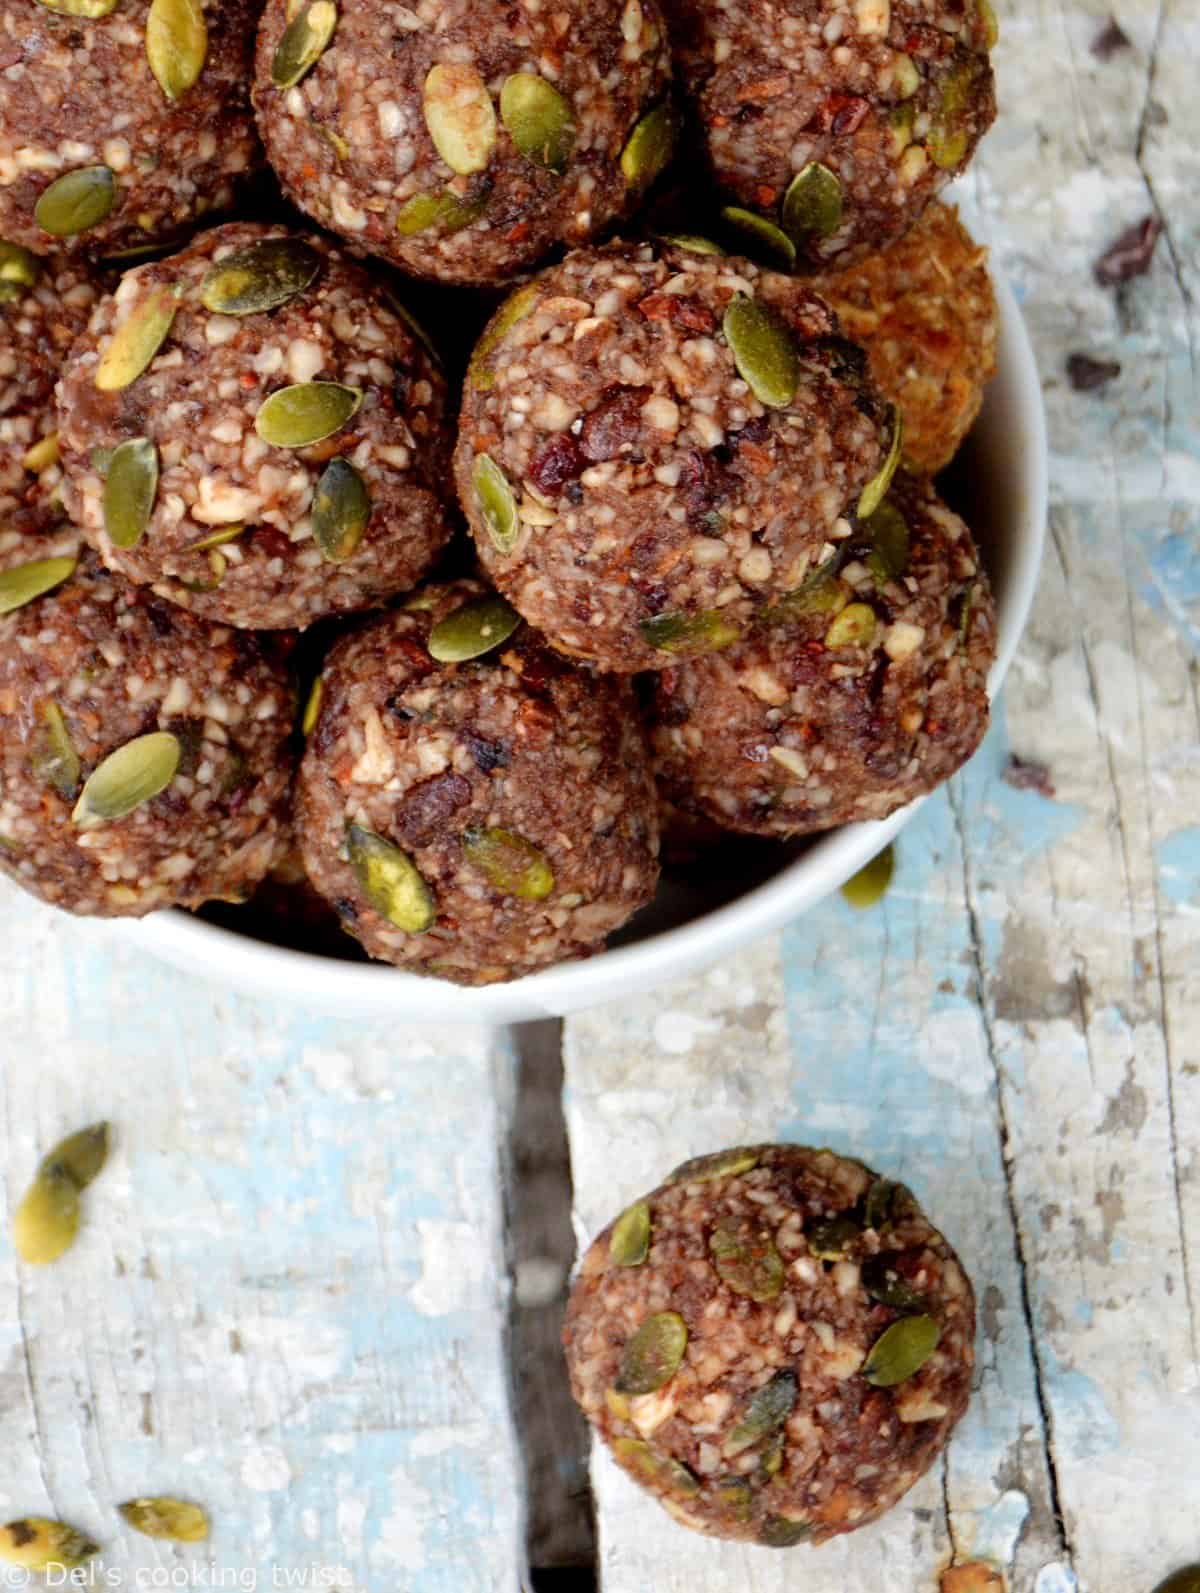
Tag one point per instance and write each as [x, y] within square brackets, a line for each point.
[746, 1260]
[691, 242]
[831, 1237]
[875, 490]
[81, 8]
[24, 582]
[1185, 1580]
[164, 1517]
[868, 886]
[768, 239]
[137, 340]
[459, 116]
[511, 864]
[77, 201]
[901, 1350]
[303, 43]
[887, 1203]
[948, 137]
[883, 1283]
[819, 593]
[763, 351]
[260, 277]
[496, 504]
[853, 627]
[515, 308]
[127, 778]
[888, 530]
[446, 211]
[653, 1355]
[130, 489]
[55, 762]
[80, 1156]
[720, 1164]
[629, 1244]
[649, 148]
[689, 634]
[767, 1410]
[44, 1225]
[43, 454]
[390, 881]
[176, 44]
[217, 539]
[40, 1544]
[341, 511]
[772, 1456]
[19, 269]
[655, 1469]
[780, 1532]
[538, 119]
[812, 206]
[294, 417]
[991, 37]
[618, 1404]
[735, 1495]
[312, 708]
[472, 630]
[333, 138]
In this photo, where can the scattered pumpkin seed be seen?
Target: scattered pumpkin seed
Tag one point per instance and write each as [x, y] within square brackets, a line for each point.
[312, 708]
[653, 1468]
[497, 504]
[55, 762]
[649, 148]
[746, 1260]
[1185, 1580]
[689, 634]
[390, 881]
[44, 1225]
[991, 26]
[128, 777]
[76, 201]
[831, 1237]
[875, 490]
[868, 886]
[217, 539]
[459, 116]
[130, 488]
[618, 1404]
[137, 340]
[768, 1408]
[769, 240]
[260, 277]
[780, 1532]
[720, 1164]
[883, 1283]
[735, 1495]
[308, 412]
[653, 1355]
[510, 863]
[19, 270]
[473, 630]
[24, 582]
[39, 1544]
[176, 44]
[81, 8]
[81, 1155]
[853, 627]
[43, 454]
[629, 1243]
[539, 120]
[901, 1351]
[303, 43]
[763, 351]
[446, 211]
[947, 139]
[888, 530]
[515, 308]
[341, 511]
[887, 1203]
[812, 206]
[164, 1517]
[691, 243]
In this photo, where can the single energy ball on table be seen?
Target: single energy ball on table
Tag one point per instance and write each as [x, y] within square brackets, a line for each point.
[830, 124]
[862, 690]
[472, 804]
[775, 1342]
[145, 757]
[121, 124]
[252, 428]
[925, 311]
[462, 139]
[653, 443]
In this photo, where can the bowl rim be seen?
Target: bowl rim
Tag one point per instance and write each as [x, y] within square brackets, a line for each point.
[325, 984]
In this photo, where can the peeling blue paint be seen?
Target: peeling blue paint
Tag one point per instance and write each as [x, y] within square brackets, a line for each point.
[1179, 866]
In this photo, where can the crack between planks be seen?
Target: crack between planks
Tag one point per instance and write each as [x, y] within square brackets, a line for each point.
[39, 1430]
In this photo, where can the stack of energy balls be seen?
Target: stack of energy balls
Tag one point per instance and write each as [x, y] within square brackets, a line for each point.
[678, 459]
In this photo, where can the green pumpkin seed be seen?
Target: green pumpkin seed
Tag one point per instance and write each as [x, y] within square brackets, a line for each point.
[44, 1225]
[1185, 1580]
[510, 863]
[176, 44]
[901, 1351]
[39, 1544]
[735, 1495]
[946, 141]
[303, 43]
[127, 778]
[217, 539]
[812, 206]
[130, 489]
[55, 762]
[655, 1469]
[883, 1283]
[260, 277]
[746, 1260]
[77, 201]
[780, 1532]
[43, 454]
[875, 490]
[164, 1517]
[653, 1355]
[629, 1244]
[991, 37]
[720, 1164]
[25, 582]
[768, 1408]
[341, 511]
[137, 340]
[538, 119]
[819, 593]
[768, 240]
[854, 627]
[473, 630]
[887, 1203]
[618, 1404]
[81, 8]
[868, 886]
[691, 243]
[312, 708]
[888, 530]
[19, 269]
[445, 211]
[459, 116]
[763, 351]
[390, 881]
[649, 148]
[306, 413]
[496, 503]
[515, 308]
[81, 1156]
[689, 634]
[830, 1239]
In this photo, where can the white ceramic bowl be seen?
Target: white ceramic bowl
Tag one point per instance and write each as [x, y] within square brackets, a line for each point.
[1004, 466]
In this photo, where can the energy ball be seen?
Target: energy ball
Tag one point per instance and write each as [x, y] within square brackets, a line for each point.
[832, 123]
[776, 1343]
[121, 124]
[862, 690]
[653, 444]
[462, 139]
[925, 312]
[145, 757]
[471, 804]
[252, 428]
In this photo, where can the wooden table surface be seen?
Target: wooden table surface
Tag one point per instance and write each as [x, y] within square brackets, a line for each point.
[322, 1249]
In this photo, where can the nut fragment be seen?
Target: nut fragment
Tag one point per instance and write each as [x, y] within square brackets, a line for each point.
[497, 504]
[459, 116]
[766, 238]
[901, 1351]
[812, 206]
[260, 277]
[390, 881]
[649, 148]
[308, 412]
[629, 1243]
[746, 1260]
[341, 511]
[39, 1544]
[77, 201]
[689, 634]
[538, 119]
[54, 760]
[304, 41]
[653, 1355]
[128, 777]
[868, 886]
[176, 44]
[130, 488]
[473, 630]
[763, 351]
[510, 863]
[25, 582]
[854, 627]
[43, 454]
[164, 1517]
[137, 340]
